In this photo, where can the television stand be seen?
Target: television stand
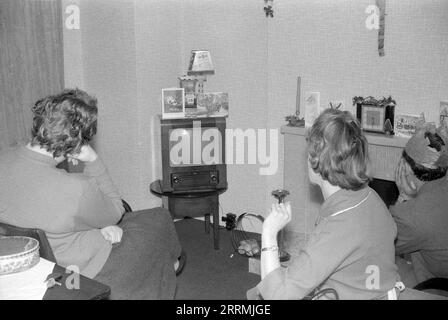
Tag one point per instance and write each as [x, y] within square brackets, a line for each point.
[193, 203]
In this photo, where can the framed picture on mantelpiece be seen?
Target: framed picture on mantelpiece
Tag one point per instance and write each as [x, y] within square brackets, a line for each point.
[373, 118]
[376, 115]
[173, 103]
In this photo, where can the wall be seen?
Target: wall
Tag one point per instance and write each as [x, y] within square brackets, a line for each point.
[164, 42]
[158, 64]
[132, 49]
[104, 48]
[236, 34]
[329, 46]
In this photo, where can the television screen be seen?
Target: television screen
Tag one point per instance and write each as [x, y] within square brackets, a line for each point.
[195, 147]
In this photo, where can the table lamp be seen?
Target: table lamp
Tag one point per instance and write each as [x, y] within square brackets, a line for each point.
[200, 66]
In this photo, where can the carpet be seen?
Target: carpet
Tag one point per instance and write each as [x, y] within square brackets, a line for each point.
[211, 274]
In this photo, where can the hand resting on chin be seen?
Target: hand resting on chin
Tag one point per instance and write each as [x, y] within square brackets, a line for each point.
[86, 154]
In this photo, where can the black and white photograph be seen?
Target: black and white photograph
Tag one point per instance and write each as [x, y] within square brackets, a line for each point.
[222, 155]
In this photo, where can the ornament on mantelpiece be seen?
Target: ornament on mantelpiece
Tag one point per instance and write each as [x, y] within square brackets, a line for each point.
[295, 120]
[189, 84]
[336, 106]
[388, 128]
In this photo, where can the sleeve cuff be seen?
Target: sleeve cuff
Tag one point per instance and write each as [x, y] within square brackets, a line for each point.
[268, 287]
[94, 168]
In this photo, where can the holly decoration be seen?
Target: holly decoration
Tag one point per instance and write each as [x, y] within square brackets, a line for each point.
[384, 102]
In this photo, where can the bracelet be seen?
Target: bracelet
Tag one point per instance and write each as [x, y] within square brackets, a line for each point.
[271, 248]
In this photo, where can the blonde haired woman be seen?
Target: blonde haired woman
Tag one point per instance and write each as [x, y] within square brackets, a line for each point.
[351, 251]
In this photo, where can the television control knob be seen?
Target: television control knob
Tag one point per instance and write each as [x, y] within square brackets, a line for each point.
[214, 178]
[176, 180]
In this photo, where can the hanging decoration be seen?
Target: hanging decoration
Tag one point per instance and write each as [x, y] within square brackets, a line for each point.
[381, 4]
[268, 8]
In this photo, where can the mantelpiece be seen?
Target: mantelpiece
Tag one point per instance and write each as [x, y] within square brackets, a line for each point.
[306, 199]
[384, 150]
[375, 139]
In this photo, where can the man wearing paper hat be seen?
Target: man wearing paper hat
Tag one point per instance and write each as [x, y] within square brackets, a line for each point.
[421, 212]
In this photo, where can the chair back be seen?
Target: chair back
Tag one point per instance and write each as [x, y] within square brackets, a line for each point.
[45, 250]
[440, 285]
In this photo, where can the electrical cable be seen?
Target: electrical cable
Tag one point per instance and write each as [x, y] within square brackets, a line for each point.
[319, 293]
[239, 234]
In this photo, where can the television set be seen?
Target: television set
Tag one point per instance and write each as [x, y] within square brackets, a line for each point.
[193, 154]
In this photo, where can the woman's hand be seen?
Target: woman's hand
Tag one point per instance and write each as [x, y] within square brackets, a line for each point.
[406, 187]
[87, 154]
[112, 234]
[279, 217]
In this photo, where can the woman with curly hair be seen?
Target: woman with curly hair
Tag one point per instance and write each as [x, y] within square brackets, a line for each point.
[80, 212]
[350, 253]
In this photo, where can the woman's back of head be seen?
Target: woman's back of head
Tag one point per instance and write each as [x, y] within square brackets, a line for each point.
[338, 150]
[64, 122]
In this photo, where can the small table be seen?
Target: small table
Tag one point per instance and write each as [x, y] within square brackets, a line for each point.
[193, 203]
[88, 289]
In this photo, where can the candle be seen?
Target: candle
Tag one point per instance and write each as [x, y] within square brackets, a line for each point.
[298, 96]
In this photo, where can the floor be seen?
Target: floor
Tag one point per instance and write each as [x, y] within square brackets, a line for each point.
[211, 274]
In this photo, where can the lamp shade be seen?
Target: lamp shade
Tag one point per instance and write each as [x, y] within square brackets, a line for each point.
[200, 63]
